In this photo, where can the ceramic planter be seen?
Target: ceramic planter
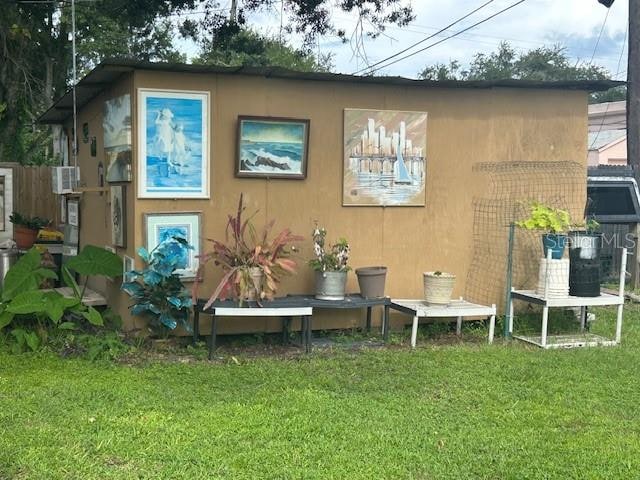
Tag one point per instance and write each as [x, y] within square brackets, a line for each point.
[554, 242]
[371, 281]
[330, 285]
[256, 277]
[438, 287]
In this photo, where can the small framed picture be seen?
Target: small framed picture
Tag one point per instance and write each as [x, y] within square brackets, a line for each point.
[73, 212]
[118, 216]
[272, 147]
[63, 209]
[128, 264]
[162, 226]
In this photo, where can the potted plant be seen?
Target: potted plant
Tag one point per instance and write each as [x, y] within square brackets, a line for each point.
[438, 287]
[585, 242]
[554, 221]
[330, 266]
[253, 264]
[157, 290]
[25, 229]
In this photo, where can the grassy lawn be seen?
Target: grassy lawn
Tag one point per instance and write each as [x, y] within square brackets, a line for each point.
[443, 411]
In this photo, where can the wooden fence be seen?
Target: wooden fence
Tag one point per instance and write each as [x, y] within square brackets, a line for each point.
[33, 193]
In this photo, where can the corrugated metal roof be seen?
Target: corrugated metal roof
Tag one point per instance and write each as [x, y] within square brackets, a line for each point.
[109, 71]
[597, 140]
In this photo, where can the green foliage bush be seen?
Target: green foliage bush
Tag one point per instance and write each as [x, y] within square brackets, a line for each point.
[546, 219]
[31, 313]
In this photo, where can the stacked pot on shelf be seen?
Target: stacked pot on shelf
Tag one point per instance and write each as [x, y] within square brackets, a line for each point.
[578, 275]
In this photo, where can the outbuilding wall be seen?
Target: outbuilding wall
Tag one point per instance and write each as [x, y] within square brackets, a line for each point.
[464, 127]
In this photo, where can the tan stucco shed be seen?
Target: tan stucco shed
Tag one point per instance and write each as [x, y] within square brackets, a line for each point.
[471, 125]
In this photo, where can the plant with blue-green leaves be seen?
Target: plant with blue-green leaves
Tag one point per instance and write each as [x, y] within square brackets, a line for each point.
[157, 290]
[29, 312]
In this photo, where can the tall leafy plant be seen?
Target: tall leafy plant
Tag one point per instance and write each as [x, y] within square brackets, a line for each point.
[245, 249]
[30, 310]
[157, 290]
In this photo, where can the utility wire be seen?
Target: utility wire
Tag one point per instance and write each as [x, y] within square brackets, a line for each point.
[449, 37]
[595, 48]
[424, 39]
[604, 117]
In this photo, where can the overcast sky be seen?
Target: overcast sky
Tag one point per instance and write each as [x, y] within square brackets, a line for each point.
[572, 23]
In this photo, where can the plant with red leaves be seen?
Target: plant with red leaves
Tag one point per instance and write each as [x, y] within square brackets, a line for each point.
[244, 255]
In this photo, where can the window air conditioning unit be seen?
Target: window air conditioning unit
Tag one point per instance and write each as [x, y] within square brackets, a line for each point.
[65, 179]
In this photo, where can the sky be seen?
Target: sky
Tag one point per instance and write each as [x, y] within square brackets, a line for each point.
[575, 24]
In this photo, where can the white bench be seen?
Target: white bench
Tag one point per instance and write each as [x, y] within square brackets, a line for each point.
[457, 309]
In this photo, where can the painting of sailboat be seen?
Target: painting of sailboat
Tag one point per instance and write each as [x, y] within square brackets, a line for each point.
[384, 157]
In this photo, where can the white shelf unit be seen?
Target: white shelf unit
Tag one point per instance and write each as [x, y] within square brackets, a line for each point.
[457, 309]
[582, 339]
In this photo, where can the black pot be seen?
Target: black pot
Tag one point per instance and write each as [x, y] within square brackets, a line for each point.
[584, 266]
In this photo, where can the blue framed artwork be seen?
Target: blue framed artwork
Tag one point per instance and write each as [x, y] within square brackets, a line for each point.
[161, 226]
[173, 144]
[272, 147]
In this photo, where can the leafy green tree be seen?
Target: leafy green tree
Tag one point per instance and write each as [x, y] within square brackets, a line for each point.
[35, 51]
[249, 48]
[544, 63]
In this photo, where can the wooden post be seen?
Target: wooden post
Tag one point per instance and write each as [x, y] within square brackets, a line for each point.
[633, 117]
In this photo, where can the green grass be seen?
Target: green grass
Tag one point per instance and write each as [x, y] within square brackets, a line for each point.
[443, 411]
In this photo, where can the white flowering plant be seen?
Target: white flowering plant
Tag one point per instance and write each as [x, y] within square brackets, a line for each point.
[333, 260]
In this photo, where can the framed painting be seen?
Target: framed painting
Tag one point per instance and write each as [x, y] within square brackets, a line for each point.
[73, 212]
[385, 161]
[173, 155]
[128, 264]
[118, 216]
[161, 226]
[272, 147]
[116, 127]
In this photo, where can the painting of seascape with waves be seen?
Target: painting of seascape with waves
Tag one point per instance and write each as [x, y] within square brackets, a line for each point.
[385, 161]
[272, 147]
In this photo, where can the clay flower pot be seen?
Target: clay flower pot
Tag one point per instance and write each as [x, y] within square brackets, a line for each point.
[24, 237]
[371, 281]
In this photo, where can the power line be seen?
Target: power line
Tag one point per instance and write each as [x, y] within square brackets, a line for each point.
[595, 48]
[424, 39]
[604, 117]
[449, 37]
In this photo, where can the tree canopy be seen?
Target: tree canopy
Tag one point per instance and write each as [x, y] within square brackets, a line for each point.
[544, 63]
[35, 51]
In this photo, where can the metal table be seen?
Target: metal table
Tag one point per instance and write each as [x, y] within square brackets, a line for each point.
[279, 307]
[353, 300]
[456, 309]
[286, 308]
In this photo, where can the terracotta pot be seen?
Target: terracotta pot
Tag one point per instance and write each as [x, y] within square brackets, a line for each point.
[24, 237]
